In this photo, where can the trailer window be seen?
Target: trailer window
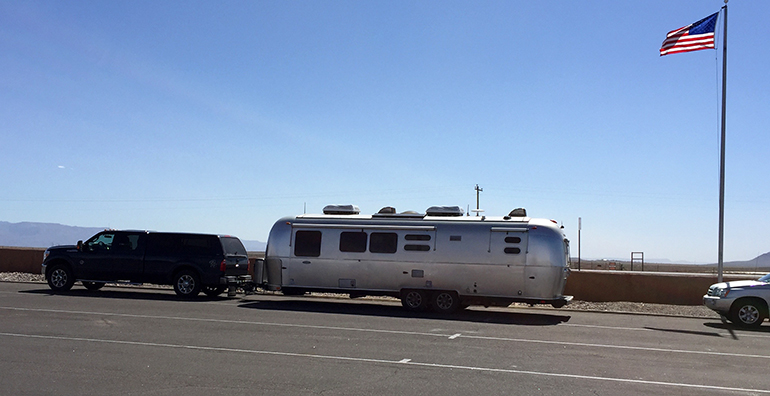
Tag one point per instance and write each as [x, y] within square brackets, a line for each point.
[512, 240]
[353, 242]
[307, 244]
[416, 237]
[383, 242]
[511, 250]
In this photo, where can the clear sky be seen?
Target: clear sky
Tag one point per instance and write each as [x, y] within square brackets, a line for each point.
[223, 116]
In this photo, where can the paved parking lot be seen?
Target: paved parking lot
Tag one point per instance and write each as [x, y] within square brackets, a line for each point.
[128, 341]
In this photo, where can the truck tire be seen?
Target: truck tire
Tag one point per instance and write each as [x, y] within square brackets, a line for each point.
[187, 284]
[60, 278]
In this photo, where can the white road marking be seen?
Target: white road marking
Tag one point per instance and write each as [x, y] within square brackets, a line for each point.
[403, 361]
[453, 336]
[400, 332]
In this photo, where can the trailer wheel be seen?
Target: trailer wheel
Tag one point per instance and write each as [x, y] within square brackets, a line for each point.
[445, 301]
[414, 300]
[60, 278]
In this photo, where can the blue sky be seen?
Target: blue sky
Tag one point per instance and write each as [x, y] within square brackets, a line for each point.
[224, 116]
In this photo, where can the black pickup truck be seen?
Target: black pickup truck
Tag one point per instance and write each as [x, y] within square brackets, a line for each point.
[190, 262]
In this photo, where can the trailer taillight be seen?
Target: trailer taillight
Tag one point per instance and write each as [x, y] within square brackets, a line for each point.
[223, 266]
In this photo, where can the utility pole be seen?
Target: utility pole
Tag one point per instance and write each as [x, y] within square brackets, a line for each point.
[478, 190]
[580, 227]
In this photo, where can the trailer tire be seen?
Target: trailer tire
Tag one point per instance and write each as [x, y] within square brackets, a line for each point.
[414, 300]
[445, 302]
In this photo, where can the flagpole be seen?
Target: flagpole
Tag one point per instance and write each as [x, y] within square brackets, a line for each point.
[720, 264]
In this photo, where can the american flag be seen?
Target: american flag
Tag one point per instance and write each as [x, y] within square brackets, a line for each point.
[693, 37]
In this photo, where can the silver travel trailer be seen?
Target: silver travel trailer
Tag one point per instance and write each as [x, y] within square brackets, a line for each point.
[440, 259]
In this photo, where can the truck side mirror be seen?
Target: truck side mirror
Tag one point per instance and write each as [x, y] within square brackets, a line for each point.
[80, 246]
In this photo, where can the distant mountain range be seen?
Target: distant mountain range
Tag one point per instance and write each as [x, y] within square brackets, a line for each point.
[43, 235]
[759, 262]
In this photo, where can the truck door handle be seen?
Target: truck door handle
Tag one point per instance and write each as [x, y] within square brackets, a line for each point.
[531, 277]
[306, 262]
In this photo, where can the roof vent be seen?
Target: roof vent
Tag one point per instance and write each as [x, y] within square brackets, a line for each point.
[518, 212]
[445, 211]
[341, 210]
[387, 210]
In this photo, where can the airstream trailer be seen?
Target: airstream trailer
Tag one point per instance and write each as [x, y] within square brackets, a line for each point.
[440, 259]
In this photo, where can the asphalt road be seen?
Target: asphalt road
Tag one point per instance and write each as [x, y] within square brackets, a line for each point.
[134, 341]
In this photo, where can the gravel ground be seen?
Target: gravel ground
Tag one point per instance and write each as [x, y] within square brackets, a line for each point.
[696, 311]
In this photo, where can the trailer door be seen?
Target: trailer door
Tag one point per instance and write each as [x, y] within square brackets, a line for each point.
[545, 264]
[508, 250]
[306, 249]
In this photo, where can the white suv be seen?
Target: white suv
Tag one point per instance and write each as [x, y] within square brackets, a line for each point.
[744, 303]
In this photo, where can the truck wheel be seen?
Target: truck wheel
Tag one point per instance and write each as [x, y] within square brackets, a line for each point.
[748, 312]
[445, 302]
[213, 291]
[93, 286]
[414, 300]
[187, 284]
[60, 278]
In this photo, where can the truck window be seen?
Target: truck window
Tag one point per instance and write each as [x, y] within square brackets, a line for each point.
[383, 242]
[199, 245]
[233, 246]
[101, 242]
[353, 242]
[307, 243]
[126, 242]
[162, 244]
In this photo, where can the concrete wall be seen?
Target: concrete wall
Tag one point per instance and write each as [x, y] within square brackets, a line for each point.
[585, 285]
[644, 287]
[21, 259]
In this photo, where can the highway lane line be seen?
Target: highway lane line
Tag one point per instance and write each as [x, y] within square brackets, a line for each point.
[401, 332]
[393, 362]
